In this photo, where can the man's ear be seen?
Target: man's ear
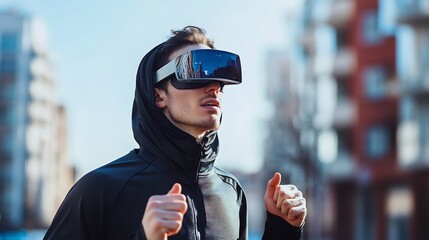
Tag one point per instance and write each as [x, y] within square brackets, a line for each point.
[159, 98]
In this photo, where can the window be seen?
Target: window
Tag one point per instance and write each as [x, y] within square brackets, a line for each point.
[369, 27]
[343, 89]
[366, 216]
[7, 65]
[422, 118]
[3, 116]
[422, 38]
[406, 60]
[377, 141]
[325, 49]
[413, 57]
[405, 3]
[341, 38]
[406, 7]
[375, 82]
[407, 108]
[7, 86]
[4, 138]
[398, 228]
[387, 17]
[8, 48]
[9, 43]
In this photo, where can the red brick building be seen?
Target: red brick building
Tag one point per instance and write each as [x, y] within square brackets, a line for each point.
[379, 198]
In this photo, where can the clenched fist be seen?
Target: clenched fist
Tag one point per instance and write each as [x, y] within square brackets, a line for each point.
[285, 201]
[164, 214]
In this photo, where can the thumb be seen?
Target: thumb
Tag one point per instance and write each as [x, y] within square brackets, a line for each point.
[176, 189]
[273, 183]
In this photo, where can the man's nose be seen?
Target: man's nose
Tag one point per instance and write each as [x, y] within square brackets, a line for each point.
[214, 86]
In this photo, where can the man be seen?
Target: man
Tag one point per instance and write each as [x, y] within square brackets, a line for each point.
[169, 187]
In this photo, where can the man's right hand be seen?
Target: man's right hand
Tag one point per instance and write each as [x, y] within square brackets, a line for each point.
[164, 214]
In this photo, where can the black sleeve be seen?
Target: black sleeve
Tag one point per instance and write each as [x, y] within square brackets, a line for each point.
[278, 228]
[80, 216]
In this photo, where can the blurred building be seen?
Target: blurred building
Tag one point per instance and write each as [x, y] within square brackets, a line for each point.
[34, 171]
[364, 168]
[289, 146]
[353, 46]
[283, 137]
[413, 131]
[358, 132]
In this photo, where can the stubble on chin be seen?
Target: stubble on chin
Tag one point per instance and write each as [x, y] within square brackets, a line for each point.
[210, 124]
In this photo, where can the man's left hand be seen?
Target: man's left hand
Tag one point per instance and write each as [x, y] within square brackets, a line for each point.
[285, 201]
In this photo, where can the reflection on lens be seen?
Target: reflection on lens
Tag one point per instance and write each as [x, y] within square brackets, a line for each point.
[209, 64]
[184, 66]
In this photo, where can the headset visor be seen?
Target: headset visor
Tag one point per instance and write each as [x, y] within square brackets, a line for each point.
[202, 66]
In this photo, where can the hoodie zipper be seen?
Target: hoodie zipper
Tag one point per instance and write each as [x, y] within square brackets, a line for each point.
[194, 213]
[196, 193]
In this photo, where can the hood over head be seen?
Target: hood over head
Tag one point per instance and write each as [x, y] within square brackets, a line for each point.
[154, 132]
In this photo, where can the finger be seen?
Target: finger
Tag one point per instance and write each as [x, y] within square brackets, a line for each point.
[169, 227]
[276, 194]
[292, 191]
[291, 203]
[176, 189]
[275, 181]
[272, 184]
[168, 198]
[164, 214]
[174, 227]
[280, 198]
[168, 202]
[286, 192]
[179, 206]
[298, 212]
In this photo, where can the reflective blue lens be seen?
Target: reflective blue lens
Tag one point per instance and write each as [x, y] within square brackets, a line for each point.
[208, 64]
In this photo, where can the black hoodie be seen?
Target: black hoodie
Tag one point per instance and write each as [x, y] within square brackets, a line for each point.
[109, 202]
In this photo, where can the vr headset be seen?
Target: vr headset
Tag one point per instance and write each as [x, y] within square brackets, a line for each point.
[197, 68]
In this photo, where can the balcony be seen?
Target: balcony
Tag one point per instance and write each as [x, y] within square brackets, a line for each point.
[345, 113]
[341, 13]
[413, 143]
[41, 112]
[345, 63]
[416, 19]
[43, 90]
[419, 89]
[408, 143]
[413, 12]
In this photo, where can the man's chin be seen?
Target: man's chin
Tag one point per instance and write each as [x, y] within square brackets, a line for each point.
[212, 127]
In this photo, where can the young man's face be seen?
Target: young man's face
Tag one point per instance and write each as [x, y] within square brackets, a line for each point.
[193, 110]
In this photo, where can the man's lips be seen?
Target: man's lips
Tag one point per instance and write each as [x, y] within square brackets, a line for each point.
[211, 102]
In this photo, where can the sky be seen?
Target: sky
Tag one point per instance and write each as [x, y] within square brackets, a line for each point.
[96, 47]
